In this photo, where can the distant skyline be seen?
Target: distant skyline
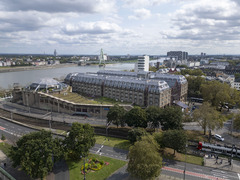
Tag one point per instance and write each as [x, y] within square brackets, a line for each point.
[120, 27]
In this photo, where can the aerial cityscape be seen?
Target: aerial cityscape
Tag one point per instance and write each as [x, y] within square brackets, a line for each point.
[119, 90]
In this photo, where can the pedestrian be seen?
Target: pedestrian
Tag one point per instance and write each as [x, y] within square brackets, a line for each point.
[221, 161]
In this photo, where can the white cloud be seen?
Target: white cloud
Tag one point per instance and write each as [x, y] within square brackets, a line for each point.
[142, 3]
[53, 6]
[79, 26]
[140, 14]
[99, 27]
[204, 20]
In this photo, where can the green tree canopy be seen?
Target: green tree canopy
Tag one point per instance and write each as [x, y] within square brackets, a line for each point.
[79, 141]
[135, 134]
[153, 114]
[194, 85]
[171, 118]
[136, 117]
[236, 122]
[158, 136]
[36, 153]
[237, 75]
[116, 115]
[218, 93]
[144, 160]
[175, 139]
[193, 72]
[208, 117]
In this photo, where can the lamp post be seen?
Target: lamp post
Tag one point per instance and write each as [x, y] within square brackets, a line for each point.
[184, 172]
[107, 124]
[83, 167]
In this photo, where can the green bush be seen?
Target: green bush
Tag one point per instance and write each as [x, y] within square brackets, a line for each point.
[3, 137]
[101, 162]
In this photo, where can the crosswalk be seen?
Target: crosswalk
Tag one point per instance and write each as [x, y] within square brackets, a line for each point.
[222, 174]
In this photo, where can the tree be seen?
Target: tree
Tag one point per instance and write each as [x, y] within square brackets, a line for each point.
[158, 136]
[153, 113]
[236, 122]
[36, 153]
[115, 115]
[136, 117]
[135, 134]
[208, 117]
[194, 85]
[237, 75]
[79, 141]
[175, 139]
[218, 94]
[193, 72]
[171, 118]
[144, 160]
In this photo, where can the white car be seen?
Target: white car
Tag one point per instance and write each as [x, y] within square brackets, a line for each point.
[218, 137]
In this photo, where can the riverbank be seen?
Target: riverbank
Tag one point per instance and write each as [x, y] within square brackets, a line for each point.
[28, 68]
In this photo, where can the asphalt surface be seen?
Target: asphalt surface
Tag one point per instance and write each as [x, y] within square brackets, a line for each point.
[13, 131]
[171, 168]
[61, 117]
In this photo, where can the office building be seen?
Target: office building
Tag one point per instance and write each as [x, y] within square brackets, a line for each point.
[142, 64]
[178, 55]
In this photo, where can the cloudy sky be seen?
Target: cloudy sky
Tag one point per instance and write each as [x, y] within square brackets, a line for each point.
[120, 26]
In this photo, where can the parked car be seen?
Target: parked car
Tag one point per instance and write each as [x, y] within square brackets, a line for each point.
[218, 137]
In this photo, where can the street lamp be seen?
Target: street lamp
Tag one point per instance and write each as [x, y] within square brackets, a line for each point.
[107, 125]
[84, 172]
[184, 172]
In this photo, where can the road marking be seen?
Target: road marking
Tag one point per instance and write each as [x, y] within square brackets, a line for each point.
[180, 166]
[204, 176]
[238, 176]
[197, 169]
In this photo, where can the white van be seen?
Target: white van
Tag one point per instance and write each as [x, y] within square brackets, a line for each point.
[218, 137]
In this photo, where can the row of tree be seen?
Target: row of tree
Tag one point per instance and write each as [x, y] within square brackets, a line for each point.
[216, 93]
[37, 152]
[168, 118]
[145, 157]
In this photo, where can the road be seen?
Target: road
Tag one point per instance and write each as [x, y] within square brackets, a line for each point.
[61, 117]
[171, 168]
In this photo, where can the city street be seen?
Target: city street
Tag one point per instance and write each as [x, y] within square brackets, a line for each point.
[171, 168]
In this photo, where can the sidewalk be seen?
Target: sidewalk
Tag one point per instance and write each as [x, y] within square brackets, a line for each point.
[122, 174]
[14, 172]
[222, 163]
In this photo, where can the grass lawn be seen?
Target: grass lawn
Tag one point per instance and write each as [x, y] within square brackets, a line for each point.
[168, 154]
[113, 142]
[196, 135]
[4, 147]
[76, 98]
[106, 171]
[236, 135]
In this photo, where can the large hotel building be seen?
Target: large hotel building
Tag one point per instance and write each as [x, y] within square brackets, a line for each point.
[139, 88]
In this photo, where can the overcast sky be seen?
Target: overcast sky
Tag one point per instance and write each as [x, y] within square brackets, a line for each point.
[120, 26]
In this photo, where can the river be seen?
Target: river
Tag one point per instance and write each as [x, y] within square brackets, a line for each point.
[27, 77]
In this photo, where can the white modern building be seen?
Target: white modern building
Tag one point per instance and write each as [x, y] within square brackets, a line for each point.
[142, 64]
